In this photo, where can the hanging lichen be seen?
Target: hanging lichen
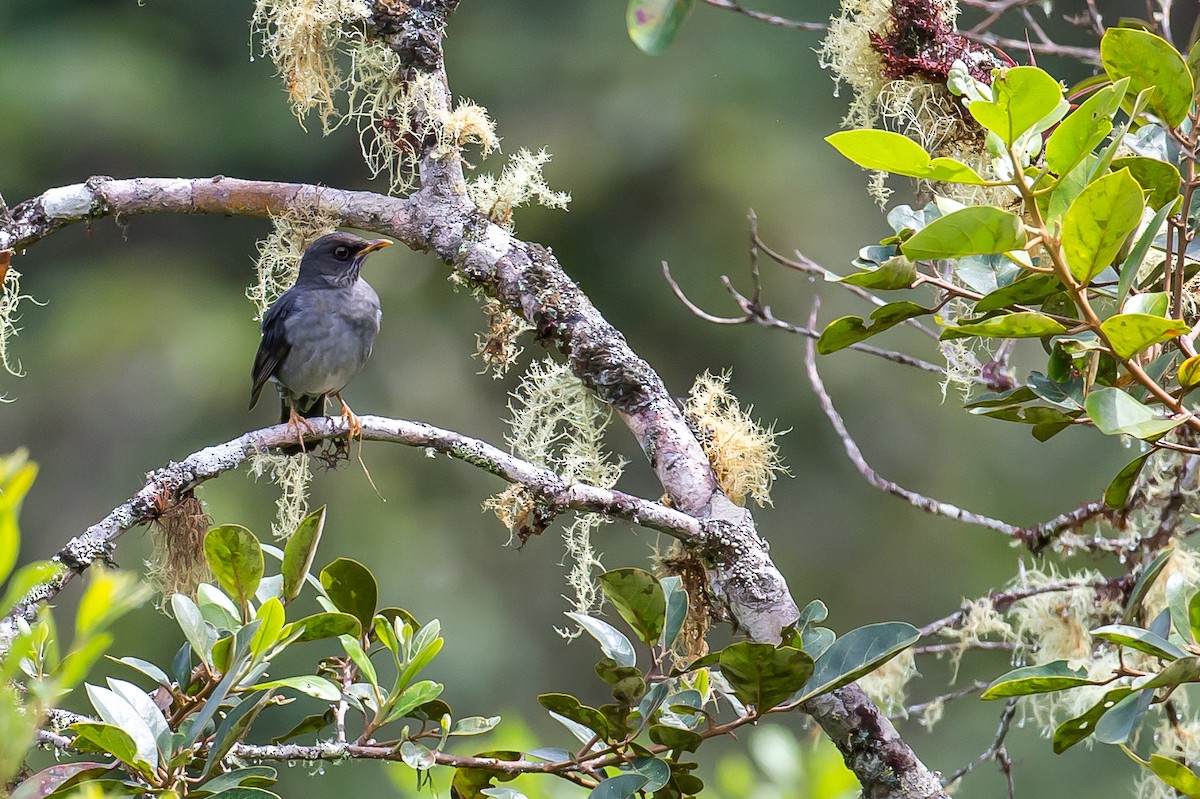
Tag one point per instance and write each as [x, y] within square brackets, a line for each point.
[176, 564]
[293, 475]
[279, 253]
[520, 183]
[498, 347]
[10, 298]
[558, 424]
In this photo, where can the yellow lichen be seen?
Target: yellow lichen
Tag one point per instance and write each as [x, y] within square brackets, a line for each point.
[520, 183]
[744, 454]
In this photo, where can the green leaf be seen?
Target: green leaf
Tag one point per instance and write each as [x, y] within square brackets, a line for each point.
[1024, 96]
[1177, 775]
[976, 230]
[236, 560]
[250, 777]
[1098, 222]
[1072, 731]
[1119, 723]
[145, 667]
[1044, 679]
[1029, 290]
[475, 725]
[1085, 128]
[572, 709]
[1173, 674]
[93, 736]
[638, 597]
[270, 614]
[859, 652]
[622, 786]
[1189, 372]
[894, 273]
[314, 723]
[613, 642]
[1022, 324]
[413, 697]
[1193, 613]
[231, 729]
[675, 737]
[320, 626]
[1115, 413]
[1152, 63]
[677, 608]
[359, 656]
[352, 589]
[884, 150]
[308, 684]
[195, 629]
[1139, 639]
[242, 792]
[1144, 581]
[655, 770]
[1160, 179]
[299, 552]
[652, 24]
[417, 756]
[764, 675]
[1130, 333]
[25, 580]
[45, 782]
[843, 332]
[1117, 493]
[1137, 254]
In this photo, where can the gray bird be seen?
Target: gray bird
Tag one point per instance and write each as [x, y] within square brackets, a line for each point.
[319, 333]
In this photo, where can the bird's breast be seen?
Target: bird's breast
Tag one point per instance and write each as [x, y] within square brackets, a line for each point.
[331, 336]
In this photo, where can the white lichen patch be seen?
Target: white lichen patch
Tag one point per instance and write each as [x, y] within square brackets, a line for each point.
[558, 424]
[67, 202]
[293, 475]
[744, 454]
[887, 685]
[521, 182]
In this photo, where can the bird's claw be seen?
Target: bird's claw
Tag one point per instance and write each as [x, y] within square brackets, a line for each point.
[295, 423]
[351, 419]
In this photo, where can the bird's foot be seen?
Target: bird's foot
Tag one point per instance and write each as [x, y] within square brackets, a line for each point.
[295, 422]
[351, 419]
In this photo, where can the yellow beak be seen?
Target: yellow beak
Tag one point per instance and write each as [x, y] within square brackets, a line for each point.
[377, 244]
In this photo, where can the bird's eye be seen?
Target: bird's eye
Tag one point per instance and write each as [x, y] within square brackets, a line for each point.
[341, 253]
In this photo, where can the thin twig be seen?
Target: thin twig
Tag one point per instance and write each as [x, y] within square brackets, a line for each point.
[770, 19]
[995, 752]
[873, 478]
[917, 709]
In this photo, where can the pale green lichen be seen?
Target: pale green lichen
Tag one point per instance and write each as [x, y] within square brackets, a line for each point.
[980, 622]
[293, 475]
[10, 298]
[520, 183]
[558, 424]
[887, 685]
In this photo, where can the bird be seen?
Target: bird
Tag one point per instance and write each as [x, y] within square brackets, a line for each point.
[319, 333]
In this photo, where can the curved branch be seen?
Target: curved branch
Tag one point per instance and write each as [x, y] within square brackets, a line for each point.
[166, 486]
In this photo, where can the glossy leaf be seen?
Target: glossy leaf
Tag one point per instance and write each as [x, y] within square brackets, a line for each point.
[894, 273]
[250, 777]
[1072, 731]
[859, 652]
[1116, 413]
[677, 609]
[1098, 222]
[94, 736]
[1177, 775]
[764, 675]
[1024, 96]
[1189, 372]
[976, 230]
[652, 24]
[231, 729]
[1130, 333]
[848, 330]
[656, 771]
[1139, 639]
[1137, 253]
[1142, 586]
[571, 708]
[115, 710]
[48, 780]
[1022, 324]
[1119, 723]
[1160, 179]
[884, 150]
[323, 625]
[299, 552]
[361, 660]
[352, 589]
[613, 642]
[675, 737]
[308, 684]
[638, 597]
[1085, 128]
[415, 695]
[1177, 672]
[270, 615]
[1029, 290]
[475, 725]
[1117, 493]
[145, 667]
[1150, 62]
[236, 560]
[1047, 678]
[416, 756]
[622, 786]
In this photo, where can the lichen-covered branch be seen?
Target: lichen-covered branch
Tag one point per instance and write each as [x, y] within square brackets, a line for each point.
[168, 485]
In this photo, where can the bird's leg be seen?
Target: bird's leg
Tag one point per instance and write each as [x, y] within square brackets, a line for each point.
[295, 422]
[350, 417]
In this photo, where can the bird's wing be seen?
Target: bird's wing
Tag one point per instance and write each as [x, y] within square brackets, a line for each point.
[274, 346]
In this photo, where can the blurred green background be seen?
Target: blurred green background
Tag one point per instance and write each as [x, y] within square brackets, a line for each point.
[141, 352]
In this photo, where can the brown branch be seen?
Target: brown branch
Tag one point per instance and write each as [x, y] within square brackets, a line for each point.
[996, 751]
[770, 19]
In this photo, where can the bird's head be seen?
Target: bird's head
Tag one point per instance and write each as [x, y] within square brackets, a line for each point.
[335, 259]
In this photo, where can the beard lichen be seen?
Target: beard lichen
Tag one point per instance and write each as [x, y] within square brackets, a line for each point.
[744, 454]
[302, 38]
[176, 564]
[279, 253]
[498, 348]
[558, 424]
[10, 298]
[520, 183]
[293, 475]
[887, 685]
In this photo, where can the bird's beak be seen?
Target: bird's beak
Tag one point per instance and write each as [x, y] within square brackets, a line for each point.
[377, 244]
